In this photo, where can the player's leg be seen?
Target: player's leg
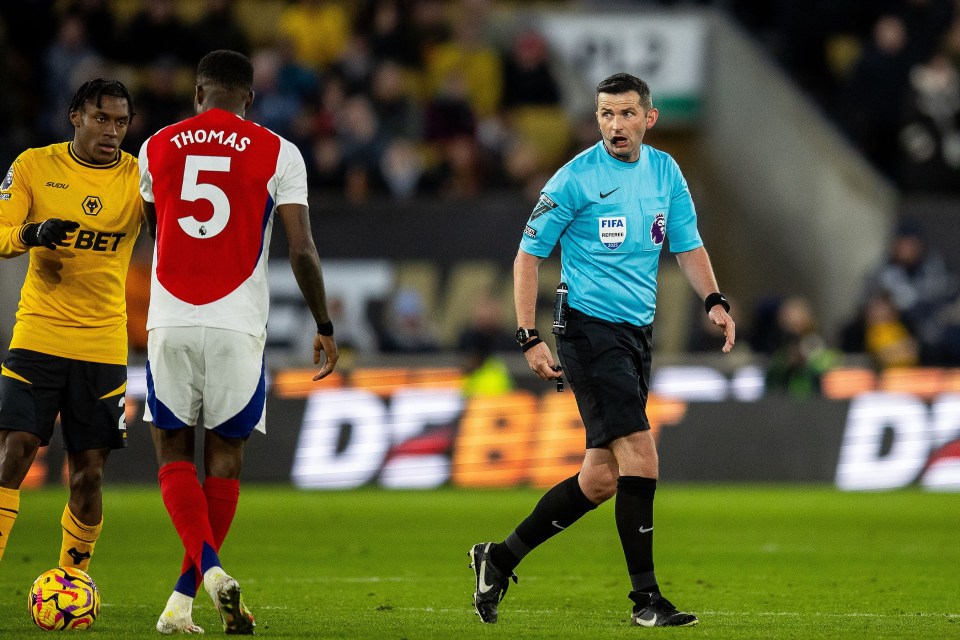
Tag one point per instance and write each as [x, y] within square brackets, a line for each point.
[175, 373]
[175, 378]
[223, 461]
[17, 451]
[185, 502]
[93, 423]
[234, 407]
[223, 494]
[82, 518]
[29, 402]
[183, 496]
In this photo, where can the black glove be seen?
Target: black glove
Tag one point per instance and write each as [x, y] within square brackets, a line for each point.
[49, 233]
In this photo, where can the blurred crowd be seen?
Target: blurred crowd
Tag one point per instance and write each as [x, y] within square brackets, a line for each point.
[886, 72]
[391, 97]
[442, 98]
[908, 315]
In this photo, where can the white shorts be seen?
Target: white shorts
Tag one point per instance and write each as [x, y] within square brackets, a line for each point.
[217, 370]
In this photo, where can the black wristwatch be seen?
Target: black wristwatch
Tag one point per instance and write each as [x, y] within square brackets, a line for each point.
[524, 334]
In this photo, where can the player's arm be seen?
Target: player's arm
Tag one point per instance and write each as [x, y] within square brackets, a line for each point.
[149, 206]
[17, 236]
[17, 239]
[11, 244]
[150, 217]
[696, 267]
[526, 282]
[305, 263]
[14, 207]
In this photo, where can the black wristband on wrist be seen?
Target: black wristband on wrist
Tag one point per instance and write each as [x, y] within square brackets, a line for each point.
[325, 328]
[716, 299]
[526, 346]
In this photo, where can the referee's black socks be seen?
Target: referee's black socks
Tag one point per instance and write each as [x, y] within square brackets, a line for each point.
[559, 508]
[634, 514]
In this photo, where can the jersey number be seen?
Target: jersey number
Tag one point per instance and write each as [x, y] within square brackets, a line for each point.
[193, 191]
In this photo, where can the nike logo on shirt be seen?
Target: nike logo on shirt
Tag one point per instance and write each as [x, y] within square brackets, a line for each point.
[604, 195]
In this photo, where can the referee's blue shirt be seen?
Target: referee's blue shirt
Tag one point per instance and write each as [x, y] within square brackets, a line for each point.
[611, 218]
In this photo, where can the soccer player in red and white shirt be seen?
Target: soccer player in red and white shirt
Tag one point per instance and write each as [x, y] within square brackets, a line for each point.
[211, 185]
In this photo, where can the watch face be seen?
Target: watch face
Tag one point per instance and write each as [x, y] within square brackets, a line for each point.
[524, 334]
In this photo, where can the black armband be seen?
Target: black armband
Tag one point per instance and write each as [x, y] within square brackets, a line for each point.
[325, 328]
[526, 346]
[716, 299]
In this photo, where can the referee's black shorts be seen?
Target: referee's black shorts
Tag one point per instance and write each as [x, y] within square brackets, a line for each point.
[88, 396]
[608, 367]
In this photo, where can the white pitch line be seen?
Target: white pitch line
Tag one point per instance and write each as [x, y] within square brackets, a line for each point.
[366, 579]
[793, 614]
[469, 609]
[835, 614]
[768, 614]
[361, 580]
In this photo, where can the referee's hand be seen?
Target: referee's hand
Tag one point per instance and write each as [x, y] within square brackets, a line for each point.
[541, 362]
[722, 319]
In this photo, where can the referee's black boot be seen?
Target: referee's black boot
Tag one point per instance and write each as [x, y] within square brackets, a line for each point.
[653, 610]
[491, 583]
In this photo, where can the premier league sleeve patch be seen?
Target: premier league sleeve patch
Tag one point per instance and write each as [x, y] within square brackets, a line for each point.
[544, 205]
[8, 180]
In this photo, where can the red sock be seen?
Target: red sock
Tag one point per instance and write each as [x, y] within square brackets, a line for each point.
[187, 506]
[222, 494]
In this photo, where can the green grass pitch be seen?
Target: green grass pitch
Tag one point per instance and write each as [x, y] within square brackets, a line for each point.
[751, 561]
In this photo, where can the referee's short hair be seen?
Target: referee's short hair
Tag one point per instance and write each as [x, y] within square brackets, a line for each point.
[624, 83]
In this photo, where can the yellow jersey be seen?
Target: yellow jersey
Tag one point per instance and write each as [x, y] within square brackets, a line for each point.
[72, 303]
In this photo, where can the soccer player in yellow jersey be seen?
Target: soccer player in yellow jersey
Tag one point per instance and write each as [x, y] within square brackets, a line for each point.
[75, 207]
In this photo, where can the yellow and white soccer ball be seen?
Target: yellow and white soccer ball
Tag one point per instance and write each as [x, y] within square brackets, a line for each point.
[64, 599]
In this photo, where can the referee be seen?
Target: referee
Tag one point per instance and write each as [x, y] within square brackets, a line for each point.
[610, 208]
